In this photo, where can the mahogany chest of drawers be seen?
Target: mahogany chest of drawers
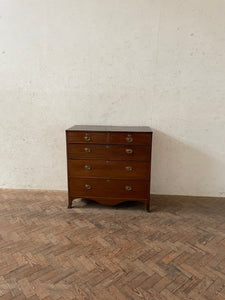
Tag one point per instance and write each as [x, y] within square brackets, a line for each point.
[109, 164]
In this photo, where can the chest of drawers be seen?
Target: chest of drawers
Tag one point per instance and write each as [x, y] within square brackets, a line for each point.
[109, 164]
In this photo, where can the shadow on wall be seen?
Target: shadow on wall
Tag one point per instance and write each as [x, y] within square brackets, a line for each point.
[179, 168]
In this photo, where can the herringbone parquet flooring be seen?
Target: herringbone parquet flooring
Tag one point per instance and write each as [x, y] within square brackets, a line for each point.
[96, 252]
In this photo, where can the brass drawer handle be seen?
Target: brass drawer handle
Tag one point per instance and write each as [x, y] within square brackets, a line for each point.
[128, 188]
[87, 167]
[87, 186]
[128, 168]
[87, 149]
[87, 137]
[129, 139]
[129, 151]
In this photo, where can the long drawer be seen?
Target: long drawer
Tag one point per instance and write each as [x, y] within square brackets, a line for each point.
[128, 189]
[123, 138]
[110, 169]
[110, 152]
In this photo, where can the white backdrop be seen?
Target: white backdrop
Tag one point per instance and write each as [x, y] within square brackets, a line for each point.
[150, 62]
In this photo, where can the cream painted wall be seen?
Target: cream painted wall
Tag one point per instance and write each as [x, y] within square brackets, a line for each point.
[149, 62]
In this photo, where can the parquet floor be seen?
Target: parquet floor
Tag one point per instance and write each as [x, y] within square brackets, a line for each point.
[96, 252]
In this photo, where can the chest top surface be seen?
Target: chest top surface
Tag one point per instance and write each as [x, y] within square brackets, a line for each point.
[102, 128]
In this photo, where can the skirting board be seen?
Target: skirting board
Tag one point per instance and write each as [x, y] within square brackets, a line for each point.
[153, 196]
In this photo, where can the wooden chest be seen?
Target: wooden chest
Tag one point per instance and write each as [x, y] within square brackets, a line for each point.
[109, 164]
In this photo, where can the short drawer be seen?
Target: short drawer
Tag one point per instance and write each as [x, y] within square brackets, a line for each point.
[86, 137]
[110, 152]
[128, 189]
[111, 169]
[131, 138]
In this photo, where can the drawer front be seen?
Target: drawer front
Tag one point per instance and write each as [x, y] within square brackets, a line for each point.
[110, 152]
[111, 169]
[130, 138]
[87, 151]
[127, 189]
[86, 137]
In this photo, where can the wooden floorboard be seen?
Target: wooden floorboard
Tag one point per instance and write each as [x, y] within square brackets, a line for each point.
[96, 252]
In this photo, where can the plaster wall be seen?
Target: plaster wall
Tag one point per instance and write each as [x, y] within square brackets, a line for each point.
[150, 62]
